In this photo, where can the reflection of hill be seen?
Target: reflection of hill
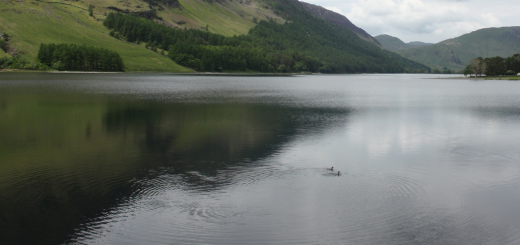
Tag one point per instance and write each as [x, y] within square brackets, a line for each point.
[65, 159]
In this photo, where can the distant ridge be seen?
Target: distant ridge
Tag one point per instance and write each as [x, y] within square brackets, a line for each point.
[394, 43]
[455, 53]
[339, 20]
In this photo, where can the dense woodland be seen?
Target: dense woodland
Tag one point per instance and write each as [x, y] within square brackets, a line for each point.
[494, 66]
[74, 57]
[303, 44]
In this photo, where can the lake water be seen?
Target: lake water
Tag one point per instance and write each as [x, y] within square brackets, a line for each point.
[163, 159]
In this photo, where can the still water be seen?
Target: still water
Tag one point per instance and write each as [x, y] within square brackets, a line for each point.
[162, 159]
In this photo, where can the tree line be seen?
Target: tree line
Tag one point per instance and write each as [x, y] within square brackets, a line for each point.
[304, 44]
[74, 57]
[494, 66]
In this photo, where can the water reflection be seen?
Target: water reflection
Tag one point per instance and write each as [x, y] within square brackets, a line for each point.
[154, 159]
[68, 158]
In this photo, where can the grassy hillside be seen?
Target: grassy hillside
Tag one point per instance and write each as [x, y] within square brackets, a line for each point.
[33, 22]
[3, 54]
[228, 17]
[455, 53]
[394, 43]
[304, 38]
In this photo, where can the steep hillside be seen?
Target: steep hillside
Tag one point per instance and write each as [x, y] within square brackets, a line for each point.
[394, 43]
[279, 35]
[339, 20]
[304, 43]
[455, 53]
[31, 23]
[226, 17]
[3, 54]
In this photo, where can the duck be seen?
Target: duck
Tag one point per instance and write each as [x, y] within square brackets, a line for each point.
[331, 168]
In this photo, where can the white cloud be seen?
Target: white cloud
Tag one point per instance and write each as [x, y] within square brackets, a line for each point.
[424, 20]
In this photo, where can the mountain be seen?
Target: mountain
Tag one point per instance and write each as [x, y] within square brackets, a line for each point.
[456, 53]
[205, 35]
[394, 43]
[339, 20]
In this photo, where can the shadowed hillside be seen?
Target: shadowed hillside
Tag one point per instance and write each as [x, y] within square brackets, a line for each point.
[394, 43]
[255, 35]
[456, 53]
[339, 20]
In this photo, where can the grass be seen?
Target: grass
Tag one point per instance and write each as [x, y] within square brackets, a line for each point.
[34, 22]
[503, 78]
[31, 23]
[3, 54]
[229, 18]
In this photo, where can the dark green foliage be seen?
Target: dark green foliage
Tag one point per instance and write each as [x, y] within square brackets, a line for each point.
[304, 44]
[513, 63]
[21, 63]
[90, 10]
[468, 70]
[5, 62]
[3, 45]
[494, 66]
[6, 36]
[79, 58]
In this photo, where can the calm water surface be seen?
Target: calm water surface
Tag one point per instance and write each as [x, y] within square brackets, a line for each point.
[161, 159]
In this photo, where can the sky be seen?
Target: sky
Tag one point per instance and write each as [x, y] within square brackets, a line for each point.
[428, 21]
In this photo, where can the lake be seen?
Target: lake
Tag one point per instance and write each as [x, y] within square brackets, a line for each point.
[167, 159]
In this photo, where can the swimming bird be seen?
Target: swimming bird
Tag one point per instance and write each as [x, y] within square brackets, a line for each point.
[331, 168]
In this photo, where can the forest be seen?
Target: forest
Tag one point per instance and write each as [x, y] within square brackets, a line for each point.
[74, 57]
[494, 66]
[303, 44]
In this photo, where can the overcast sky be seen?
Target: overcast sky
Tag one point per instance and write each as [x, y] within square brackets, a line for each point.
[425, 20]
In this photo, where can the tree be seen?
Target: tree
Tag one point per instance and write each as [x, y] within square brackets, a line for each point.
[90, 10]
[494, 66]
[467, 70]
[513, 63]
[477, 66]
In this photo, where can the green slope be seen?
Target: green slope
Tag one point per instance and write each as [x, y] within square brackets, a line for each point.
[33, 22]
[226, 17]
[394, 43]
[3, 54]
[455, 53]
[337, 49]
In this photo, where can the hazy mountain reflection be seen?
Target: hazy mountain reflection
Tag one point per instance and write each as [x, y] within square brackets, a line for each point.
[67, 158]
[158, 159]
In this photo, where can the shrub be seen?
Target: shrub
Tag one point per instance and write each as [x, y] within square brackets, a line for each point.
[3, 45]
[57, 66]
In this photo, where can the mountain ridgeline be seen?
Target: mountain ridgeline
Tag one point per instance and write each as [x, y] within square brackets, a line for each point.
[339, 20]
[245, 36]
[304, 43]
[456, 53]
[394, 43]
